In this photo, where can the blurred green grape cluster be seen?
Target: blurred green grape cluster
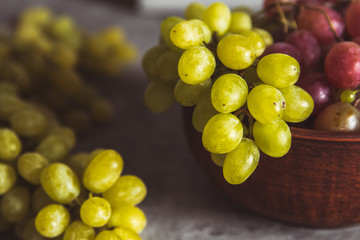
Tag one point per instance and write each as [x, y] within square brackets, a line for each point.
[47, 57]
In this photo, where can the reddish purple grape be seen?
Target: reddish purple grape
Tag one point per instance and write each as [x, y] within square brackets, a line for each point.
[352, 18]
[339, 116]
[273, 10]
[308, 47]
[315, 21]
[342, 65]
[316, 84]
[286, 48]
[356, 40]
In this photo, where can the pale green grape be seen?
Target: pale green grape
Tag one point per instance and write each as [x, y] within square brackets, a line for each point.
[126, 233]
[347, 96]
[52, 220]
[95, 212]
[222, 133]
[268, 39]
[236, 52]
[101, 110]
[266, 104]
[165, 29]
[78, 162]
[128, 189]
[186, 34]
[107, 235]
[103, 171]
[7, 177]
[129, 217]
[150, 58]
[54, 148]
[256, 39]
[246, 9]
[166, 66]
[196, 65]
[9, 104]
[218, 17]
[4, 225]
[279, 70]
[251, 76]
[229, 93]
[240, 21]
[60, 183]
[30, 166]
[63, 56]
[273, 139]
[194, 10]
[188, 95]
[240, 163]
[203, 111]
[28, 122]
[15, 204]
[40, 199]
[159, 96]
[205, 29]
[299, 104]
[77, 230]
[30, 232]
[38, 15]
[218, 159]
[10, 144]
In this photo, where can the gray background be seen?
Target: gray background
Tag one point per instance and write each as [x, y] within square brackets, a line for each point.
[182, 203]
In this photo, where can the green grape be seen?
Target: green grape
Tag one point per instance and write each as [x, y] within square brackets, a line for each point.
[236, 52]
[196, 65]
[256, 39]
[78, 162]
[107, 235]
[77, 230]
[240, 21]
[60, 183]
[67, 81]
[77, 119]
[127, 189]
[63, 56]
[273, 139]
[205, 29]
[28, 122]
[165, 29]
[159, 96]
[222, 133]
[103, 171]
[240, 163]
[54, 147]
[8, 87]
[4, 225]
[347, 96]
[126, 233]
[268, 39]
[66, 134]
[9, 104]
[166, 66]
[251, 76]
[40, 199]
[246, 9]
[30, 165]
[218, 159]
[278, 70]
[15, 204]
[229, 93]
[95, 212]
[52, 220]
[194, 10]
[38, 15]
[129, 217]
[7, 178]
[101, 110]
[218, 17]
[10, 144]
[113, 35]
[188, 95]
[186, 34]
[266, 104]
[299, 104]
[203, 111]
[30, 232]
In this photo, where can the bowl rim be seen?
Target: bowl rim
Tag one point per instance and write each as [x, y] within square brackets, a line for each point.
[321, 135]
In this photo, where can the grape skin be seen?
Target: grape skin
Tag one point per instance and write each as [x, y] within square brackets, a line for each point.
[95, 212]
[129, 217]
[188, 95]
[78, 230]
[218, 17]
[186, 34]
[52, 220]
[15, 204]
[8, 177]
[10, 145]
[30, 165]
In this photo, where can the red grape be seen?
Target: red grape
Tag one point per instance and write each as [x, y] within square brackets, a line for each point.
[342, 65]
[282, 47]
[274, 9]
[315, 21]
[308, 47]
[318, 87]
[352, 18]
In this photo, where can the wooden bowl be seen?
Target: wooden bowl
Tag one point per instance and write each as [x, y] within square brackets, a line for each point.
[316, 184]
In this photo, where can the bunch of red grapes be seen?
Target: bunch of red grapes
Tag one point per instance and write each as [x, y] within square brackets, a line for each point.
[324, 36]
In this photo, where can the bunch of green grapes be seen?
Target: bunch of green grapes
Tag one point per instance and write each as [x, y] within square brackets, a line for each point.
[48, 192]
[43, 54]
[211, 61]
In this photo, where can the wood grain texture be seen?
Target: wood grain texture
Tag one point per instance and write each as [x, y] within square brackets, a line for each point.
[316, 184]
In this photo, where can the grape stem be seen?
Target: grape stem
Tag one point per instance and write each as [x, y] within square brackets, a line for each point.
[248, 119]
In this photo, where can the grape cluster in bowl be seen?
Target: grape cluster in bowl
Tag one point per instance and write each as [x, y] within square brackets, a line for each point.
[213, 61]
